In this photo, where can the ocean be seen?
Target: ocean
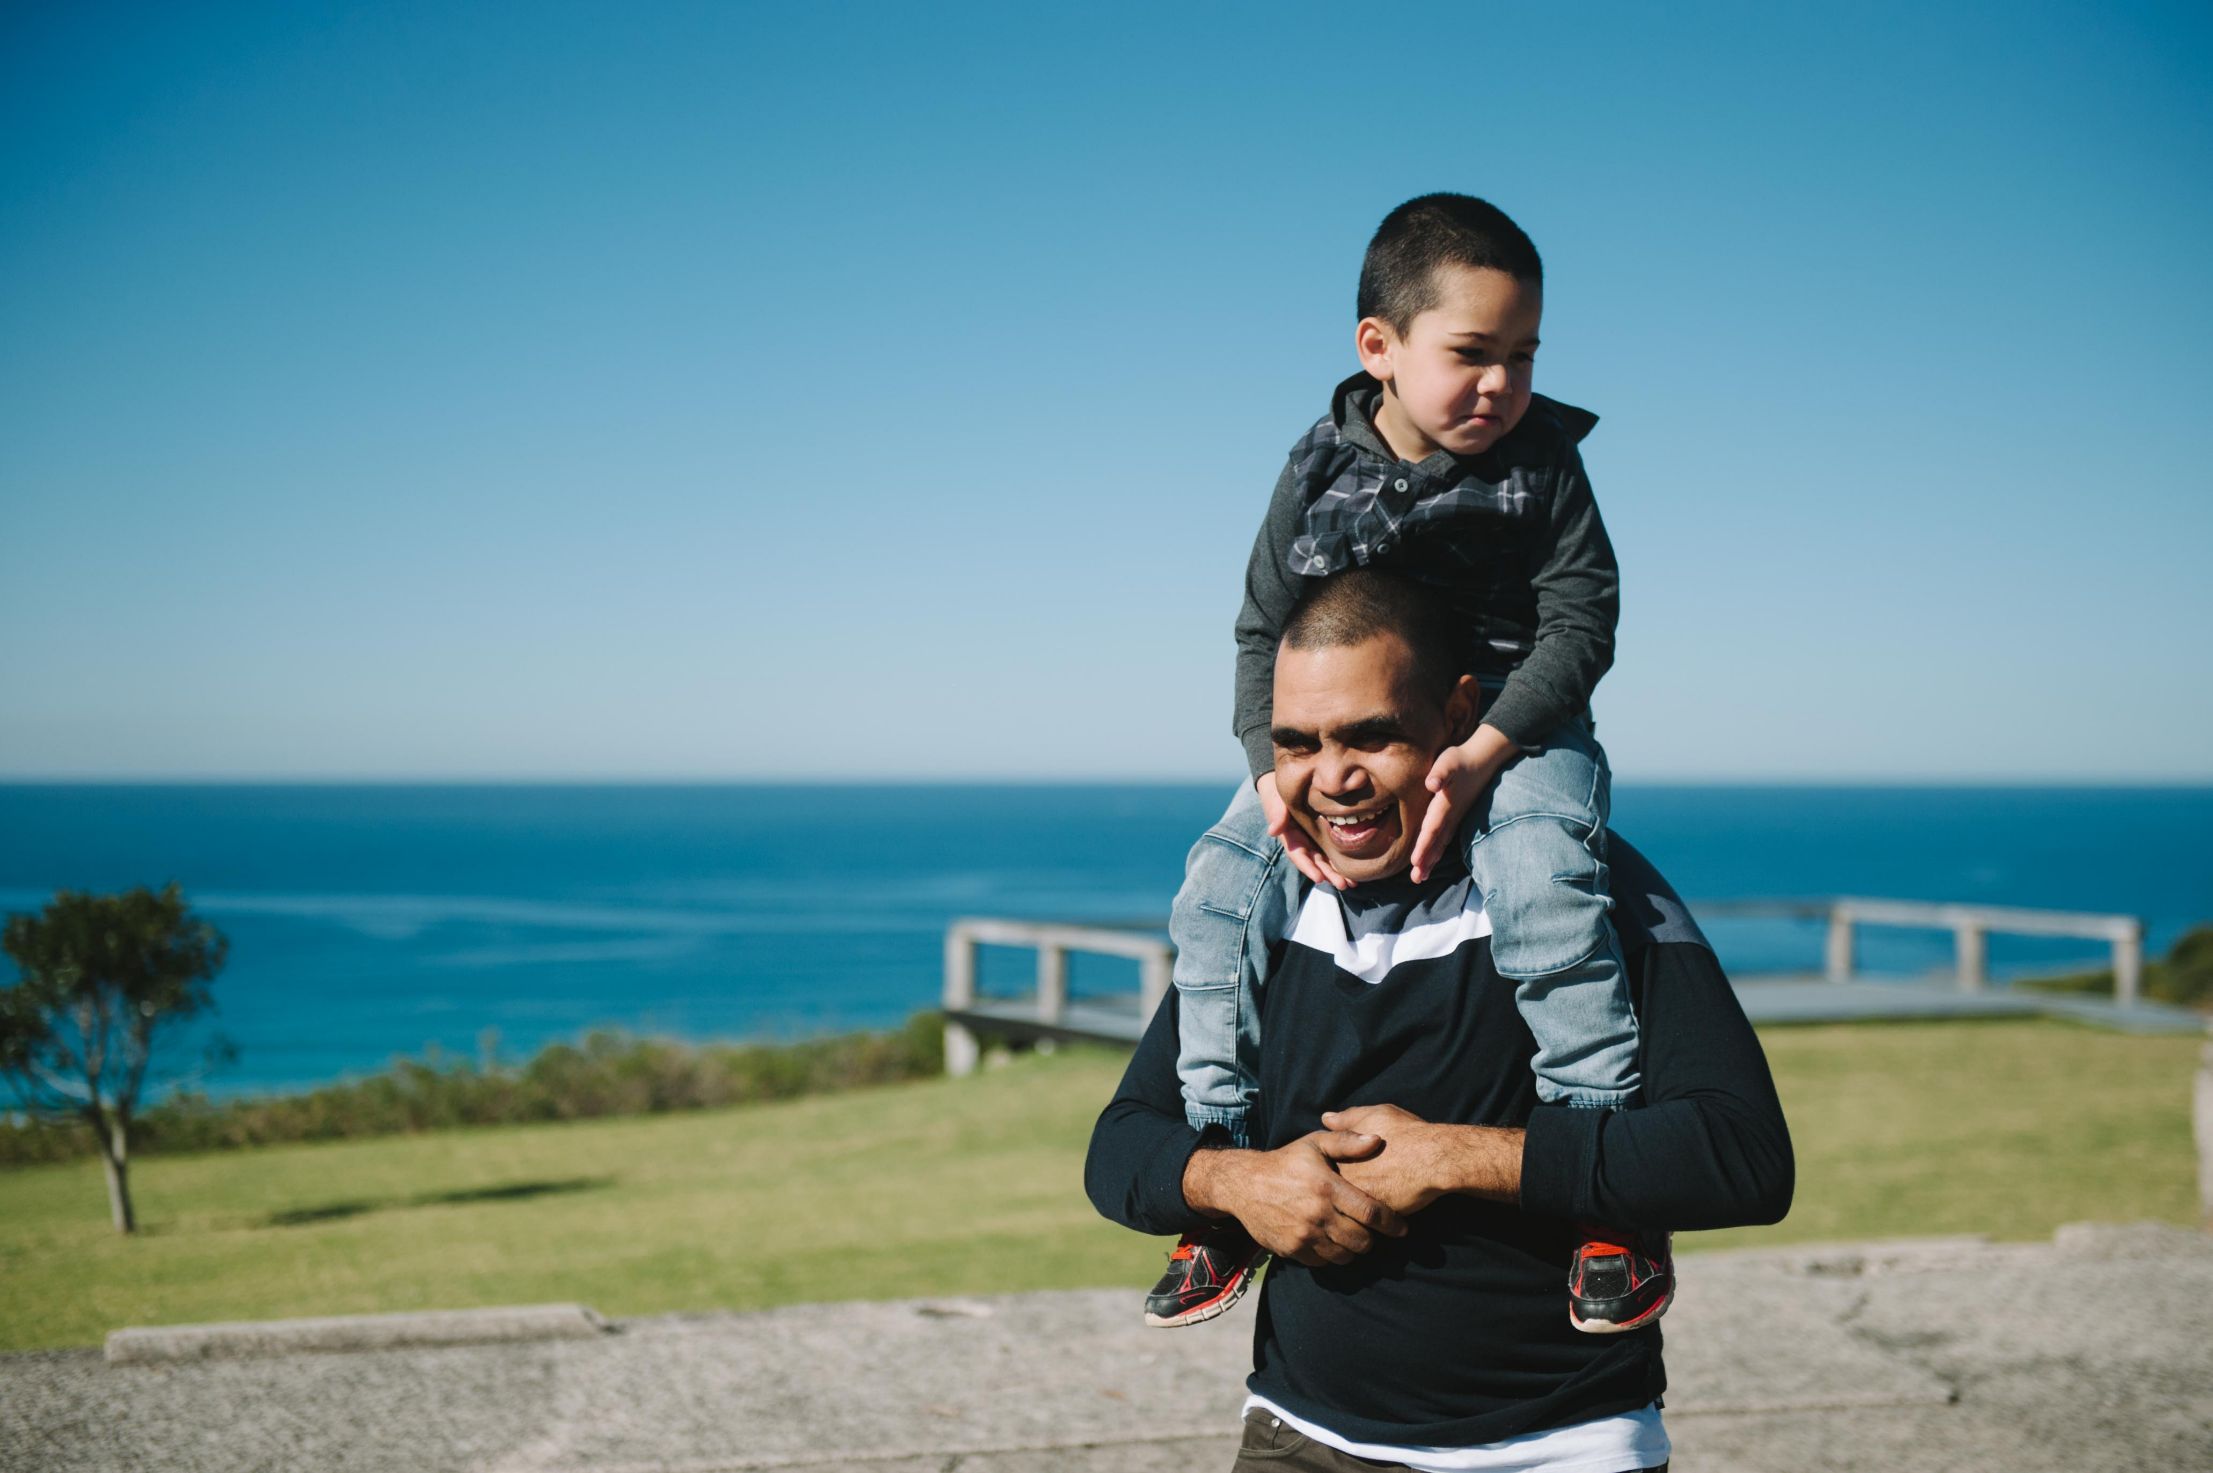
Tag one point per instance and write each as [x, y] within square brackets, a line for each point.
[368, 922]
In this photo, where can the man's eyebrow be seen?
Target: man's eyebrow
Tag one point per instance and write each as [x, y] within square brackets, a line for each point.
[1290, 736]
[1484, 337]
[1374, 729]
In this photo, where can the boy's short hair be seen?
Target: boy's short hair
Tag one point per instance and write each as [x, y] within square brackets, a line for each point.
[1398, 278]
[1358, 604]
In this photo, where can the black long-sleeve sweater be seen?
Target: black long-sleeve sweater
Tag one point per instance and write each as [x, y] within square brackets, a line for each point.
[1457, 1334]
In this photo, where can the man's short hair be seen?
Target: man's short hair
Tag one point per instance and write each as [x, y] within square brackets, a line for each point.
[1398, 280]
[1358, 604]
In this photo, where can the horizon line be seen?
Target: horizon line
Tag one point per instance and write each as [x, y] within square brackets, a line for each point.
[1033, 780]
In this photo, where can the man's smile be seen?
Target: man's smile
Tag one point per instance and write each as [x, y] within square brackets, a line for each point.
[1361, 835]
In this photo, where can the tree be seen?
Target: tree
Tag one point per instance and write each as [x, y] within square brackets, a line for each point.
[102, 975]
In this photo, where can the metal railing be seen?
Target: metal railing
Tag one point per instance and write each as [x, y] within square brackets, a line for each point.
[1046, 1014]
[1971, 927]
[1053, 943]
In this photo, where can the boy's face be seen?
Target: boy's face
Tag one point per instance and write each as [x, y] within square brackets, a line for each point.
[1355, 736]
[1458, 378]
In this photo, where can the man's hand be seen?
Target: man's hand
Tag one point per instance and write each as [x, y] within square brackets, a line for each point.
[1421, 1161]
[1296, 844]
[1407, 1174]
[1458, 777]
[1292, 1200]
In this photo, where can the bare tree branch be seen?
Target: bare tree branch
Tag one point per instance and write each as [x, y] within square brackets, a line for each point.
[26, 1085]
[77, 1094]
[95, 1043]
[139, 1054]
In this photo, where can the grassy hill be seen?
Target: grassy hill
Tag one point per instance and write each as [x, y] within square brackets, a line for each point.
[973, 1186]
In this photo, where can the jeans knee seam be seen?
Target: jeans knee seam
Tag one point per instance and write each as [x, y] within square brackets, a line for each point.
[1577, 965]
[1584, 825]
[1231, 841]
[1586, 1097]
[1605, 943]
[1268, 868]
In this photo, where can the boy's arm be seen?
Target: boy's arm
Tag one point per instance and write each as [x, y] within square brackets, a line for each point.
[1271, 591]
[1578, 588]
[1578, 591]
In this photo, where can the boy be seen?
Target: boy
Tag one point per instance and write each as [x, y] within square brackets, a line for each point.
[1438, 462]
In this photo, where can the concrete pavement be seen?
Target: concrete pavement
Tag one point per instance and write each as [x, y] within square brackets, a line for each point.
[2083, 1353]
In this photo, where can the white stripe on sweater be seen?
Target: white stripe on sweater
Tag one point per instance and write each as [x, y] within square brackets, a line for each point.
[1321, 927]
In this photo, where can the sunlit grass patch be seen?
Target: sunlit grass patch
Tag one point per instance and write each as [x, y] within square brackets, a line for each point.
[974, 1185]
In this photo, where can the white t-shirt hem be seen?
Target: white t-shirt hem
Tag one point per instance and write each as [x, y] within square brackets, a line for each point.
[1615, 1444]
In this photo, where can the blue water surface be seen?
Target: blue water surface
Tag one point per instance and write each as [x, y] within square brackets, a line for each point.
[368, 922]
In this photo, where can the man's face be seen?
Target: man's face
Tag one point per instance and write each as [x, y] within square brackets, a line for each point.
[1354, 738]
[1459, 376]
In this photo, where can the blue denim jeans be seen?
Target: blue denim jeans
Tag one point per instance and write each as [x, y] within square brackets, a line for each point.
[1536, 848]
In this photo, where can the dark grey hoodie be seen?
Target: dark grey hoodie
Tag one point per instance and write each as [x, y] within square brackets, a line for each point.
[1511, 539]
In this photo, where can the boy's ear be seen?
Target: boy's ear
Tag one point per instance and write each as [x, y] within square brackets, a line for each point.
[1464, 708]
[1374, 341]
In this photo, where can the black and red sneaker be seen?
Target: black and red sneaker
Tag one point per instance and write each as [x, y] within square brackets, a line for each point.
[1619, 1281]
[1210, 1270]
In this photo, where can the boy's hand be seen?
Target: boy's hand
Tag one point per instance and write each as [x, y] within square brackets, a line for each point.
[1296, 844]
[1458, 777]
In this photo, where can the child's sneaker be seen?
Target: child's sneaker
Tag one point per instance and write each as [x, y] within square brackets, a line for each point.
[1210, 1270]
[1619, 1281]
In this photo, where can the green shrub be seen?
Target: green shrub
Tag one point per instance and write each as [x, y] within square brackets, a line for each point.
[2184, 977]
[611, 1073]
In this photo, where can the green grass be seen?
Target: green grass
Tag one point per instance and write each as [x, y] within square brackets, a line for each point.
[974, 1186]
[2008, 1128]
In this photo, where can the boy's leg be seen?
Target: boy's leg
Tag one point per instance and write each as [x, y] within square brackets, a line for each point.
[1234, 897]
[1540, 857]
[1219, 924]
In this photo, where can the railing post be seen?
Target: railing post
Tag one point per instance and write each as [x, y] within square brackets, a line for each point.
[1052, 982]
[1838, 962]
[1973, 947]
[961, 1047]
[2128, 964]
[1153, 974]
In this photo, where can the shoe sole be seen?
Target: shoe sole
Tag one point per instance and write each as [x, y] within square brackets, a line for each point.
[1220, 1304]
[1612, 1327]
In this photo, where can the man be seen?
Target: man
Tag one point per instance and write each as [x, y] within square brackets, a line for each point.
[1420, 1201]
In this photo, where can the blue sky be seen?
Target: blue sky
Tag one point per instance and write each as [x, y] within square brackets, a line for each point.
[769, 392]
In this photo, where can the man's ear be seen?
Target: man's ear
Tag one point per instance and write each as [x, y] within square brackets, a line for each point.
[1374, 341]
[1463, 708]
